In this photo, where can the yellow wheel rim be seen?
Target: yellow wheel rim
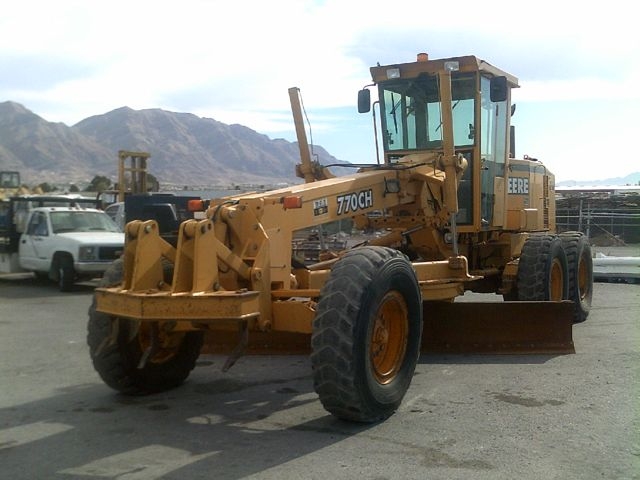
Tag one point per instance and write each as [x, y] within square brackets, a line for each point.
[389, 337]
[583, 279]
[556, 280]
[168, 343]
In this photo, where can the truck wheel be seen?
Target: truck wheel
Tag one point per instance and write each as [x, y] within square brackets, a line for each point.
[580, 263]
[366, 334]
[66, 274]
[117, 359]
[542, 270]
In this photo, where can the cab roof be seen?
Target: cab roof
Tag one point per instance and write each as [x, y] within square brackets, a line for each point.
[423, 64]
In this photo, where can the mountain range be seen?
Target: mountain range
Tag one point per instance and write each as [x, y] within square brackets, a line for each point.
[185, 149]
[631, 179]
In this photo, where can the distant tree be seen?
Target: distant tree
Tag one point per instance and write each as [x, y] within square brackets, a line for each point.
[152, 183]
[98, 184]
[46, 187]
[73, 188]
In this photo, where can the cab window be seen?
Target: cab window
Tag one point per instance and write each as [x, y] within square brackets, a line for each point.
[38, 225]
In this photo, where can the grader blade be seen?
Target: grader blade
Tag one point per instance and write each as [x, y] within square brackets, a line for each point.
[459, 327]
[498, 327]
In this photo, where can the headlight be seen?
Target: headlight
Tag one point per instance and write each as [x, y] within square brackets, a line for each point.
[88, 254]
[393, 73]
[452, 66]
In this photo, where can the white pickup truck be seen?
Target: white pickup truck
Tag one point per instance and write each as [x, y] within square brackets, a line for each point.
[63, 243]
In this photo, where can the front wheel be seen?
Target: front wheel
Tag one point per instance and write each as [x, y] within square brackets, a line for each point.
[66, 274]
[117, 345]
[366, 334]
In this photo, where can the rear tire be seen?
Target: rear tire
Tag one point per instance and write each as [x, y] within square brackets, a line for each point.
[366, 334]
[580, 263]
[542, 270]
[117, 362]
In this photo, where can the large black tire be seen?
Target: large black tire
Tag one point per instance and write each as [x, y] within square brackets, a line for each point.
[366, 334]
[117, 363]
[542, 270]
[580, 263]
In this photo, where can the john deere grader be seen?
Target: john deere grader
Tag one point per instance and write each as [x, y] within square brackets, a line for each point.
[454, 211]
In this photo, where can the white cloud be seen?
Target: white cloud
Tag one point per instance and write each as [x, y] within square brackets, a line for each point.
[234, 61]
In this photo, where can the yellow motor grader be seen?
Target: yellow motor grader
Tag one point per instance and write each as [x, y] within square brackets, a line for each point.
[452, 211]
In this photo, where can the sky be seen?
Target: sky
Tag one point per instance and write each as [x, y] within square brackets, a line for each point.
[578, 66]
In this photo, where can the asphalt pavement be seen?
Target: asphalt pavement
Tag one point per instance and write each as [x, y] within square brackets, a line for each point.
[464, 417]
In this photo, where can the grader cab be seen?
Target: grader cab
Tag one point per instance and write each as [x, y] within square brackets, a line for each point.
[453, 211]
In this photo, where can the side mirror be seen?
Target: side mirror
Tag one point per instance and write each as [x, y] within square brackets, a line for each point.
[364, 101]
[498, 89]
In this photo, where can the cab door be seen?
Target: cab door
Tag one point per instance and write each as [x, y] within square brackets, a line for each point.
[493, 151]
[32, 249]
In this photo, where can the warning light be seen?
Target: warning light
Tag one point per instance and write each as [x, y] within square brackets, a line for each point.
[294, 201]
[196, 206]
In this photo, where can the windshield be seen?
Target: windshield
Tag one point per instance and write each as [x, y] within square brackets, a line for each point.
[82, 221]
[411, 112]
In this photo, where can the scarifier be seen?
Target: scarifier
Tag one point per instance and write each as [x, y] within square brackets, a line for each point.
[453, 211]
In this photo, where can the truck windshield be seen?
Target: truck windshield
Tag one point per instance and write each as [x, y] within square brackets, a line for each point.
[411, 112]
[81, 221]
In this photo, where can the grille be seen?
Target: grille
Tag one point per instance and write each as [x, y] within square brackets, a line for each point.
[545, 199]
[110, 253]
